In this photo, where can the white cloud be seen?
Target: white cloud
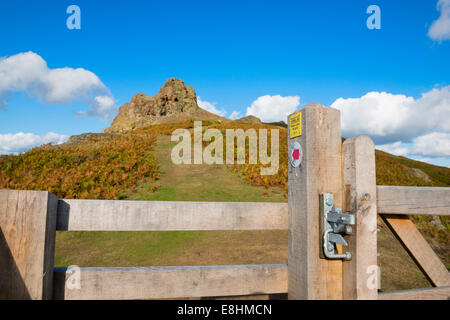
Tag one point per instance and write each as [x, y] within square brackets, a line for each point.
[440, 29]
[211, 107]
[435, 144]
[401, 125]
[397, 148]
[437, 161]
[389, 118]
[28, 72]
[273, 108]
[423, 159]
[235, 115]
[102, 107]
[20, 142]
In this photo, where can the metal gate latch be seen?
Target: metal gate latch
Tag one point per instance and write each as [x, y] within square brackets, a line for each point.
[333, 224]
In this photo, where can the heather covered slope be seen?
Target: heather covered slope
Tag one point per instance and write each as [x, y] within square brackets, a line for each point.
[401, 171]
[91, 166]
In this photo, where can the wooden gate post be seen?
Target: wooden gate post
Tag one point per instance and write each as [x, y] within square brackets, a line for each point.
[309, 276]
[360, 274]
[27, 244]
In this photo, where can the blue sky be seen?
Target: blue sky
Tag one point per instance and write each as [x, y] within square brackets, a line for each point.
[235, 52]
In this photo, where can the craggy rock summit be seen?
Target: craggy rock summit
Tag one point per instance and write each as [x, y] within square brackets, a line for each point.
[174, 102]
[249, 119]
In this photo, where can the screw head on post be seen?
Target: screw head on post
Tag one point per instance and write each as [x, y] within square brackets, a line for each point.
[330, 247]
[329, 201]
[348, 229]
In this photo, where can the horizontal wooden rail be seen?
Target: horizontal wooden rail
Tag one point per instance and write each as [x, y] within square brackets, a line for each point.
[439, 293]
[413, 200]
[169, 282]
[109, 215]
[119, 215]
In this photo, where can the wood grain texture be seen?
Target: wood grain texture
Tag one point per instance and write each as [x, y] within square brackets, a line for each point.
[27, 241]
[320, 172]
[440, 293]
[419, 249]
[413, 200]
[118, 215]
[359, 181]
[172, 282]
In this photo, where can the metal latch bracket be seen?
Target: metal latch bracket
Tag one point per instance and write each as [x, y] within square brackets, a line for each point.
[333, 224]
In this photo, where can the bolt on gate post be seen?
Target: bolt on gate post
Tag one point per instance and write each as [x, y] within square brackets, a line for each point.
[318, 170]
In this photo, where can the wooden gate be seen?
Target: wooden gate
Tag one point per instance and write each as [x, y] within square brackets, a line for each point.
[29, 220]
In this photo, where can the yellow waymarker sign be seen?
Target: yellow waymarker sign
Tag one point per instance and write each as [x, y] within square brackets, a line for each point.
[295, 125]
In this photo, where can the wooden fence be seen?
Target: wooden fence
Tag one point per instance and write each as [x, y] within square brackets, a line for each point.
[29, 220]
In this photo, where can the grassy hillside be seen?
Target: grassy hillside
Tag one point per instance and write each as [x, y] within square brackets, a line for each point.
[137, 166]
[401, 171]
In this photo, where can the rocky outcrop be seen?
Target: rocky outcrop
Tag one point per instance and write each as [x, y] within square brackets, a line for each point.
[174, 102]
[278, 124]
[249, 119]
[419, 174]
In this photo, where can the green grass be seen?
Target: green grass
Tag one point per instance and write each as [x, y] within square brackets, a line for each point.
[137, 249]
[119, 249]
